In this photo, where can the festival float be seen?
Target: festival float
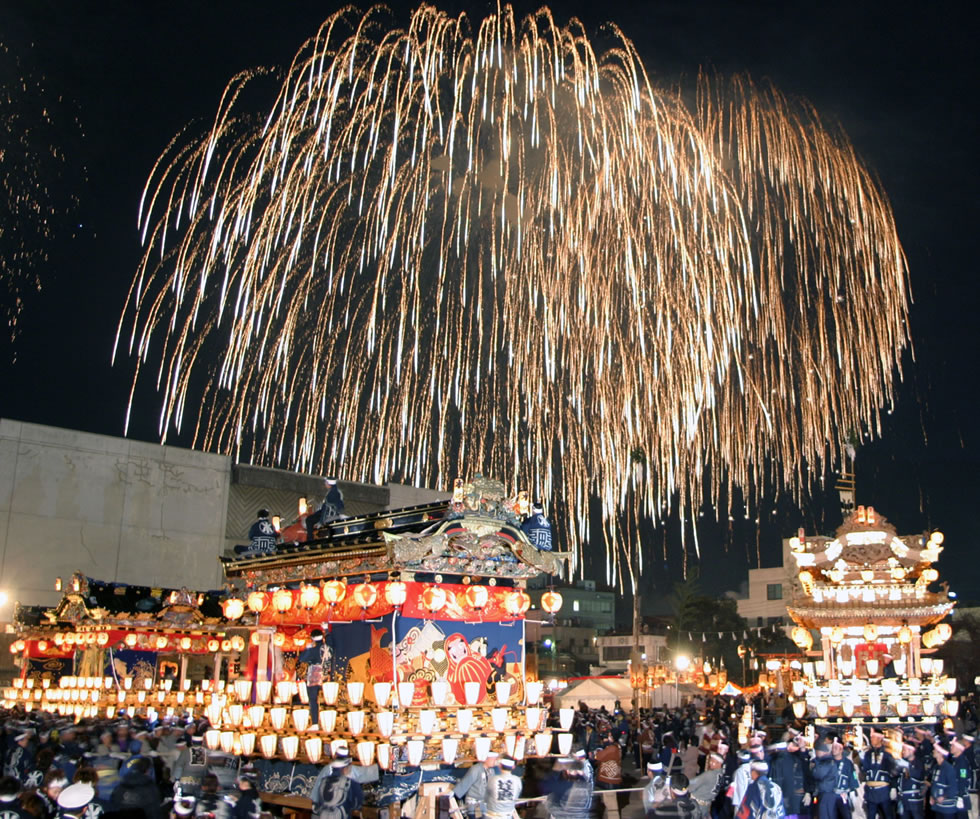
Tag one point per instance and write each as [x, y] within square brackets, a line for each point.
[868, 594]
[422, 612]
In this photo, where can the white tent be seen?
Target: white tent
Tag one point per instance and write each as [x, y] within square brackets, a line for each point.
[671, 695]
[596, 692]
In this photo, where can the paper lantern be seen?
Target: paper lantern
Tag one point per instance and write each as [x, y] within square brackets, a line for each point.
[427, 722]
[822, 709]
[386, 722]
[334, 591]
[481, 746]
[799, 709]
[476, 597]
[517, 602]
[406, 693]
[365, 594]
[277, 716]
[384, 756]
[365, 752]
[102, 639]
[542, 744]
[247, 741]
[214, 645]
[330, 691]
[185, 643]
[951, 707]
[355, 693]
[355, 722]
[396, 593]
[416, 748]
[301, 718]
[802, 637]
[257, 601]
[870, 632]
[872, 666]
[282, 600]
[440, 692]
[928, 707]
[902, 708]
[235, 714]
[309, 596]
[847, 706]
[233, 608]
[328, 720]
[905, 634]
[290, 747]
[212, 739]
[473, 692]
[434, 598]
[314, 749]
[944, 631]
[510, 743]
[836, 635]
[533, 691]
[498, 717]
[551, 601]
[502, 690]
[263, 691]
[382, 691]
[227, 741]
[464, 720]
[278, 640]
[926, 664]
[564, 744]
[566, 716]
[874, 706]
[533, 717]
[449, 748]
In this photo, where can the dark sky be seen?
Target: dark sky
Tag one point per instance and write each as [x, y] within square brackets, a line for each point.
[900, 78]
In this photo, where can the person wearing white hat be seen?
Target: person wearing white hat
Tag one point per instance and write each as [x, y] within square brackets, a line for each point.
[73, 801]
[944, 793]
[472, 788]
[572, 795]
[335, 794]
[879, 772]
[763, 797]
[503, 791]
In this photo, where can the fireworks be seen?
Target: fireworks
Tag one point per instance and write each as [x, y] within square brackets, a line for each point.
[36, 195]
[447, 249]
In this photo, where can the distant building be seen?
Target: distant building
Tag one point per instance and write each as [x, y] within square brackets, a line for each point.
[568, 647]
[614, 651]
[770, 590]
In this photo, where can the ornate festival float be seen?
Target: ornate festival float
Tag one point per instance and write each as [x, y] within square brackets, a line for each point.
[421, 612]
[868, 594]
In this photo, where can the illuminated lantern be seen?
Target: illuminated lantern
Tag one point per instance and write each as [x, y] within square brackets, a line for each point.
[257, 601]
[255, 639]
[59, 638]
[396, 593]
[905, 634]
[551, 601]
[299, 639]
[233, 608]
[929, 639]
[434, 598]
[185, 643]
[279, 639]
[929, 576]
[226, 645]
[213, 645]
[161, 643]
[799, 709]
[42, 645]
[334, 591]
[282, 600]
[476, 597]
[937, 538]
[517, 602]
[802, 637]
[944, 631]
[238, 643]
[309, 596]
[103, 638]
[836, 635]
[870, 632]
[131, 639]
[365, 594]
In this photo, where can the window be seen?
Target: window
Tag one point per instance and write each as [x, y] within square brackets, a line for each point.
[774, 591]
[606, 607]
[760, 621]
[616, 653]
[575, 605]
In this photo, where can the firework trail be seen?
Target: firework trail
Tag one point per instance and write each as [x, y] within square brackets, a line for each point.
[37, 187]
[450, 248]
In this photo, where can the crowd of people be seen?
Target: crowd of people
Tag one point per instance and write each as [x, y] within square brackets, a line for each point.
[687, 763]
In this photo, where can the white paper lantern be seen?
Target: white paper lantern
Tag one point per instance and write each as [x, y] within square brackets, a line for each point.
[449, 748]
[534, 690]
[482, 748]
[330, 691]
[382, 691]
[386, 722]
[498, 717]
[384, 756]
[542, 743]
[502, 690]
[314, 749]
[406, 694]
[533, 717]
[473, 691]
[365, 752]
[464, 720]
[355, 722]
[564, 744]
[416, 747]
[440, 692]
[427, 722]
[355, 693]
[328, 720]
[566, 716]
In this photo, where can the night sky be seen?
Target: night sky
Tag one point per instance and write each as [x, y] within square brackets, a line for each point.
[899, 78]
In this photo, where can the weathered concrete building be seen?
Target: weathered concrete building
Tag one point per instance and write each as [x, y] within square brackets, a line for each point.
[133, 512]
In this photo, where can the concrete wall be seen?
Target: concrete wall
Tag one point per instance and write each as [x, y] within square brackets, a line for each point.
[115, 509]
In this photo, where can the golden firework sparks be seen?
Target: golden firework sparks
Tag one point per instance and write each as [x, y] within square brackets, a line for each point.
[446, 249]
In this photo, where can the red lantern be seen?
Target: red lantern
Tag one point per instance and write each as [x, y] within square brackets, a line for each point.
[365, 594]
[434, 598]
[551, 601]
[282, 600]
[476, 596]
[517, 602]
[334, 591]
[257, 601]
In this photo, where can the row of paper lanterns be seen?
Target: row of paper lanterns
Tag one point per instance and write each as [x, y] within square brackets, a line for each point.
[159, 642]
[333, 592]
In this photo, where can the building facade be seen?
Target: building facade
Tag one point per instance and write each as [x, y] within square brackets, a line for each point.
[770, 590]
[614, 651]
[568, 645]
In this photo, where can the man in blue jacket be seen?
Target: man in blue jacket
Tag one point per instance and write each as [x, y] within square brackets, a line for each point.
[879, 774]
[911, 782]
[944, 795]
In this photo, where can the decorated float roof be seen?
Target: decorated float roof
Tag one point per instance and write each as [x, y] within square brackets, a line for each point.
[477, 534]
[868, 573]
